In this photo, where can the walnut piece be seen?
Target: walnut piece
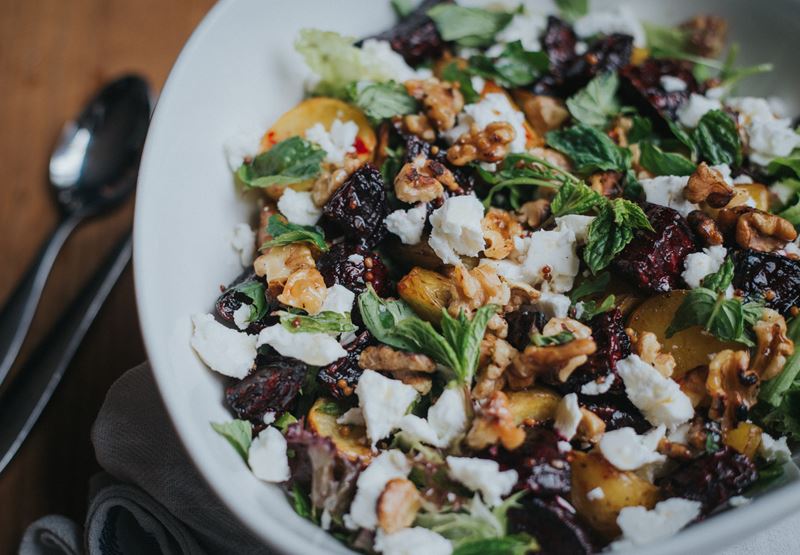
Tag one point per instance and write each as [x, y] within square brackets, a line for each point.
[398, 505]
[534, 213]
[441, 100]
[387, 359]
[494, 423]
[495, 356]
[278, 263]
[707, 34]
[485, 145]
[423, 180]
[591, 427]
[773, 345]
[607, 183]
[476, 288]
[499, 230]
[544, 113]
[649, 350]
[267, 211]
[705, 227]
[332, 177]
[420, 381]
[732, 388]
[693, 384]
[419, 125]
[707, 185]
[305, 289]
[756, 229]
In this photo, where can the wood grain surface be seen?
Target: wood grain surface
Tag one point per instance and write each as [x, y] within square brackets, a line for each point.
[53, 55]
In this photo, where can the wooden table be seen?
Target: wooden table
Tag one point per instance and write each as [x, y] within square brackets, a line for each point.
[53, 55]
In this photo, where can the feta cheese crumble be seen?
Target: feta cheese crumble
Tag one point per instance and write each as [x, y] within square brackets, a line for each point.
[336, 142]
[267, 456]
[595, 494]
[640, 526]
[622, 21]
[579, 225]
[243, 241]
[339, 299]
[389, 63]
[383, 402]
[224, 350]
[317, 349]
[412, 541]
[491, 108]
[457, 229]
[552, 305]
[483, 476]
[671, 83]
[370, 484]
[241, 316]
[660, 399]
[554, 250]
[769, 137]
[692, 111]
[598, 388]
[774, 449]
[447, 419]
[408, 224]
[525, 27]
[298, 207]
[568, 416]
[667, 190]
[627, 450]
[698, 265]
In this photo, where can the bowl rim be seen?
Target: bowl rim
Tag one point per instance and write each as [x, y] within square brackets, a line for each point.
[763, 511]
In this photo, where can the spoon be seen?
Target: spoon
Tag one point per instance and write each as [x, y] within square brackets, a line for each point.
[90, 172]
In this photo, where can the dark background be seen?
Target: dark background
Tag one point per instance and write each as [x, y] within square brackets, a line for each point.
[53, 55]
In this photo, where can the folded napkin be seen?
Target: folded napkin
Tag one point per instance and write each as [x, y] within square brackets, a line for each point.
[152, 500]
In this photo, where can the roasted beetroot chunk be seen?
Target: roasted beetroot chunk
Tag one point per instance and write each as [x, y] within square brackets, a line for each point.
[354, 267]
[357, 208]
[616, 411]
[232, 299]
[542, 468]
[605, 54]
[416, 37]
[643, 87]
[653, 260]
[272, 387]
[613, 344]
[757, 273]
[554, 525]
[340, 377]
[711, 479]
[521, 323]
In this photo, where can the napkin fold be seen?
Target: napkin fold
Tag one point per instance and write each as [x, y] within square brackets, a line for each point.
[151, 499]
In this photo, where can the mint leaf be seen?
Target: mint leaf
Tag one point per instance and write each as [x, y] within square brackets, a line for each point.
[473, 27]
[324, 322]
[239, 433]
[664, 163]
[791, 163]
[301, 501]
[590, 286]
[285, 233]
[290, 161]
[611, 231]
[380, 101]
[575, 197]
[284, 421]
[518, 170]
[455, 74]
[572, 9]
[549, 340]
[723, 318]
[381, 317]
[592, 309]
[596, 103]
[661, 39]
[256, 293]
[465, 337]
[717, 139]
[792, 213]
[515, 67]
[641, 130]
[683, 136]
[589, 149]
[517, 544]
[721, 279]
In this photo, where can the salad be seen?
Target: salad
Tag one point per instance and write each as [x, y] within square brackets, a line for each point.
[521, 282]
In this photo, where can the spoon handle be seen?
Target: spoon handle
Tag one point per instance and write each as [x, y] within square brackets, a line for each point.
[17, 314]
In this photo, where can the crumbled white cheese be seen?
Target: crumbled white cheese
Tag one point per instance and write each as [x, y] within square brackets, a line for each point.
[680, 434]
[564, 446]
[738, 500]
[267, 456]
[478, 83]
[240, 145]
[339, 299]
[792, 248]
[412, 541]
[671, 83]
[457, 229]
[241, 316]
[355, 258]
[622, 21]
[383, 402]
[224, 350]
[627, 450]
[353, 417]
[698, 265]
[317, 349]
[579, 225]
[370, 484]
[667, 190]
[243, 241]
[408, 224]
[690, 113]
[336, 142]
[268, 418]
[525, 27]
[660, 399]
[552, 305]
[389, 63]
[598, 388]
[783, 191]
[769, 137]
[325, 519]
[483, 476]
[595, 494]
[298, 207]
[742, 179]
[568, 416]
[556, 251]
[447, 419]
[640, 526]
[774, 449]
[491, 108]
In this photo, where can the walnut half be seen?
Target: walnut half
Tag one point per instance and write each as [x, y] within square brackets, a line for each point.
[756, 229]
[707, 185]
[423, 180]
[485, 145]
[386, 359]
[441, 100]
[732, 388]
[499, 230]
[705, 227]
[495, 423]
[773, 345]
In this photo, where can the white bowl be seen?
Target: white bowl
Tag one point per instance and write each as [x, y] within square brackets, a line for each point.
[239, 71]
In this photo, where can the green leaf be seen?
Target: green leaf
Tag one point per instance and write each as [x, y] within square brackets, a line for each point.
[324, 322]
[290, 161]
[791, 163]
[575, 197]
[589, 149]
[683, 136]
[519, 170]
[473, 27]
[455, 74]
[718, 140]
[239, 434]
[792, 213]
[641, 130]
[301, 501]
[611, 231]
[403, 7]
[394, 162]
[285, 233]
[424, 338]
[592, 309]
[597, 103]
[590, 286]
[572, 9]
[256, 292]
[517, 544]
[515, 67]
[664, 163]
[721, 279]
[465, 337]
[548, 340]
[381, 317]
[773, 391]
[284, 421]
[665, 39]
[723, 318]
[380, 101]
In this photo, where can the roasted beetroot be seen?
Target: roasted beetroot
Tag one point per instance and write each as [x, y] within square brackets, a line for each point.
[616, 411]
[711, 479]
[272, 387]
[340, 377]
[353, 266]
[609, 53]
[613, 344]
[357, 208]
[758, 273]
[653, 260]
[642, 85]
[415, 37]
[553, 523]
[558, 42]
[234, 297]
[541, 466]
[521, 323]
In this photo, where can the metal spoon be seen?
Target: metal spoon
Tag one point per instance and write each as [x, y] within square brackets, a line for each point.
[90, 172]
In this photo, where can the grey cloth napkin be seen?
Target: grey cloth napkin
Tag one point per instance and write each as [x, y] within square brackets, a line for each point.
[153, 500]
